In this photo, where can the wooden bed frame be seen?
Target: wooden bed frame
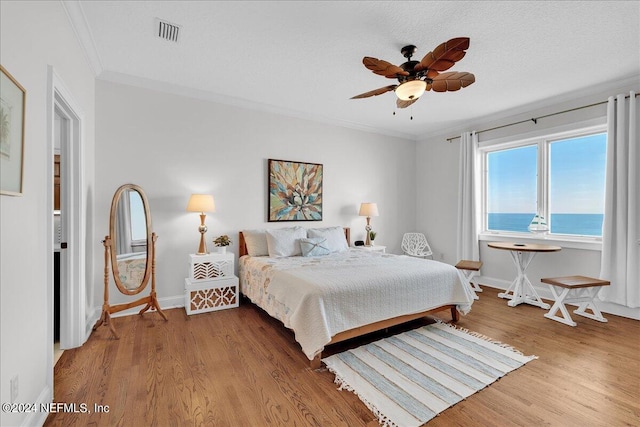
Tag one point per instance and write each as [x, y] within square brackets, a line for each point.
[366, 329]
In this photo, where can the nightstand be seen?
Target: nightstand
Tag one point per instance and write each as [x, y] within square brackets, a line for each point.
[211, 284]
[376, 248]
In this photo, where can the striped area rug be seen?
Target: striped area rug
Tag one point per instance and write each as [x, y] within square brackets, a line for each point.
[408, 379]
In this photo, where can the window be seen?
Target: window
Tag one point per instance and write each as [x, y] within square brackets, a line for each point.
[138, 219]
[560, 177]
[512, 188]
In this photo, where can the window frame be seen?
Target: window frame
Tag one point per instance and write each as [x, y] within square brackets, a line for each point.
[543, 139]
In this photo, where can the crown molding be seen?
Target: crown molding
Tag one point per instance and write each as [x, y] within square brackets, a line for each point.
[141, 82]
[78, 21]
[573, 99]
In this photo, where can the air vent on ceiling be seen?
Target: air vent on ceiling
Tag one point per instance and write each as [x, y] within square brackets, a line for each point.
[167, 31]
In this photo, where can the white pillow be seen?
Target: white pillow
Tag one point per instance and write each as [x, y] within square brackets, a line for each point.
[336, 239]
[256, 242]
[314, 246]
[285, 241]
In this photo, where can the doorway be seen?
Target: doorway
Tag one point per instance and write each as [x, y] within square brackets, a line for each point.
[61, 135]
[66, 227]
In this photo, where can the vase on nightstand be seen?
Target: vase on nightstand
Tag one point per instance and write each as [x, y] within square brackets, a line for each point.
[221, 249]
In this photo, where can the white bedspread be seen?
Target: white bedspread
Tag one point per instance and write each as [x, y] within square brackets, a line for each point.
[318, 297]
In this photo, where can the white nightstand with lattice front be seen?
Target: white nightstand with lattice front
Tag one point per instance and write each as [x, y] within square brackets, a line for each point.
[376, 248]
[210, 266]
[211, 284]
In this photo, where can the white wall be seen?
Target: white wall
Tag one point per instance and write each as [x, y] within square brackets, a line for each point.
[34, 35]
[173, 146]
[437, 193]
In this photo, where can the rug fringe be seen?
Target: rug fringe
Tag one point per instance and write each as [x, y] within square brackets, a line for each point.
[484, 338]
[344, 385]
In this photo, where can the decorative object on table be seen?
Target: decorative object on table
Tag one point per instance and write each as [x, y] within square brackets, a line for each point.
[538, 224]
[408, 379]
[295, 191]
[416, 245]
[372, 236]
[368, 209]
[211, 284]
[358, 243]
[201, 203]
[416, 77]
[12, 116]
[130, 246]
[221, 242]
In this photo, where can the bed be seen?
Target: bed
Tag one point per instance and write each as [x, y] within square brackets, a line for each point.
[341, 293]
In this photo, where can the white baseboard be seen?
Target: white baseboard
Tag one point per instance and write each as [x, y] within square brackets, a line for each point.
[165, 303]
[545, 293]
[38, 418]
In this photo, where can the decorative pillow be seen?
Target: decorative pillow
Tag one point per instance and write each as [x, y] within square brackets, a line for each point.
[336, 240]
[285, 241]
[314, 246]
[256, 242]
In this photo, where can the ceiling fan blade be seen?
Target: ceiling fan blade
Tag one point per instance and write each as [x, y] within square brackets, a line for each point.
[445, 55]
[431, 74]
[404, 104]
[383, 68]
[375, 92]
[451, 81]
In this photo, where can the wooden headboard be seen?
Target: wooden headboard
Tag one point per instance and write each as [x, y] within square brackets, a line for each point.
[242, 246]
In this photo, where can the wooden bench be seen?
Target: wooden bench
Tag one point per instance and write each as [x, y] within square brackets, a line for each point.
[574, 289]
[468, 269]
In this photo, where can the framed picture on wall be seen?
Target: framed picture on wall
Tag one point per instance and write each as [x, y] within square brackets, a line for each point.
[295, 191]
[12, 108]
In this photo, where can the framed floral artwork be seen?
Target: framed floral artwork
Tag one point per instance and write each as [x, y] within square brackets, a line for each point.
[295, 191]
[12, 109]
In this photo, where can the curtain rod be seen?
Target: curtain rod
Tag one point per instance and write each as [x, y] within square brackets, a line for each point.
[535, 119]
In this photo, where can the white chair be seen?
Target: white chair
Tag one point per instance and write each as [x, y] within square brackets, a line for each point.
[415, 244]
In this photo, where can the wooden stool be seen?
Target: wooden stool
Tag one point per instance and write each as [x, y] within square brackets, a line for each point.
[468, 269]
[574, 289]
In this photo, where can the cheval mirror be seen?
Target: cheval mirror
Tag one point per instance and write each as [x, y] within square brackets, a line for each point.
[129, 250]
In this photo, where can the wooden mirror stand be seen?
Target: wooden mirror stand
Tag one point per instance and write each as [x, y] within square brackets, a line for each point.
[129, 251]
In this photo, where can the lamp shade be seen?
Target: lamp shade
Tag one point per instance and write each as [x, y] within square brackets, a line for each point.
[201, 203]
[368, 209]
[411, 90]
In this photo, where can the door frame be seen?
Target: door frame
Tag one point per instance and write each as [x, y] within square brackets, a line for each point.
[72, 206]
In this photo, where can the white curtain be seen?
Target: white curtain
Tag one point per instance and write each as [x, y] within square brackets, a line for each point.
[123, 225]
[620, 234]
[467, 239]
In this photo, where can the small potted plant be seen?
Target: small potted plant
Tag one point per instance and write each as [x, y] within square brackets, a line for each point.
[372, 236]
[221, 242]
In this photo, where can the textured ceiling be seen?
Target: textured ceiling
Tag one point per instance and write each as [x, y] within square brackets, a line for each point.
[305, 58]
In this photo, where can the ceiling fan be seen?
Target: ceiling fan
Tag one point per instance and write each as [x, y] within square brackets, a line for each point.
[416, 77]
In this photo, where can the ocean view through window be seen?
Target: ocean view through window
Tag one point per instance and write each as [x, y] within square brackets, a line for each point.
[559, 177]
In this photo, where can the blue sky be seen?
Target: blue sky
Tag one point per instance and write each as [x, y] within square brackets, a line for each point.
[577, 177]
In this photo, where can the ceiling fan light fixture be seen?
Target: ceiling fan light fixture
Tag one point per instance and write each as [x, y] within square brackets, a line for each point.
[411, 90]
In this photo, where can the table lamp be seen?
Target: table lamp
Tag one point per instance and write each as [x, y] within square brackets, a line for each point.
[368, 210]
[201, 203]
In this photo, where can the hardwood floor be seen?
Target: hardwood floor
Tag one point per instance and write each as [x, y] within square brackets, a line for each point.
[239, 367]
